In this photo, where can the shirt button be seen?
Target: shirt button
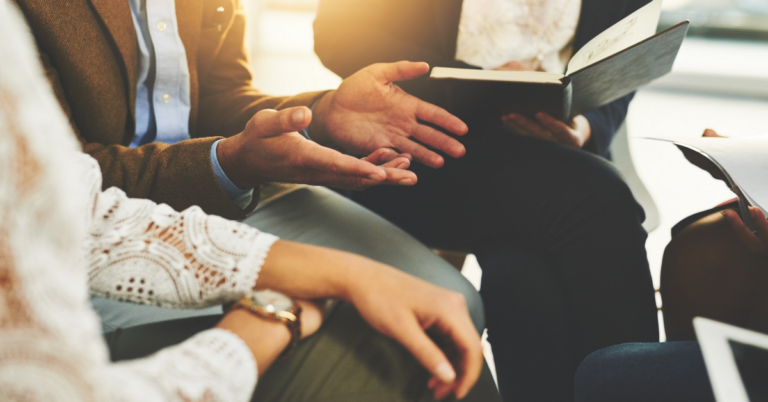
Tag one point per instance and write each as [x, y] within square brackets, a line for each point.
[161, 26]
[166, 98]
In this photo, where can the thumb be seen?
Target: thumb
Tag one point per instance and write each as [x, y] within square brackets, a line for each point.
[400, 71]
[271, 123]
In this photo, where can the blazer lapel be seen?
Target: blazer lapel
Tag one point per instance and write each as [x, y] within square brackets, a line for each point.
[116, 15]
[447, 14]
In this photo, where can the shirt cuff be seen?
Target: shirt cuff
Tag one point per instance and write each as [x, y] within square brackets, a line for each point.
[242, 198]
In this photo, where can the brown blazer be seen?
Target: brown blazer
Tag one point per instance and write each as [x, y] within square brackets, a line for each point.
[89, 51]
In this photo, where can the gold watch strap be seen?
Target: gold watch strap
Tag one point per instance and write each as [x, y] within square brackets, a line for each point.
[292, 320]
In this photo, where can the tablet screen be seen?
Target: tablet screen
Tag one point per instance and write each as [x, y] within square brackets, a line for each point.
[752, 362]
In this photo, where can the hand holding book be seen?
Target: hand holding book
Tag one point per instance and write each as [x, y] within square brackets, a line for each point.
[544, 126]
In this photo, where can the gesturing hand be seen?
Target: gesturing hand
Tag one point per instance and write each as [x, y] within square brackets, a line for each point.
[547, 128]
[369, 112]
[271, 150]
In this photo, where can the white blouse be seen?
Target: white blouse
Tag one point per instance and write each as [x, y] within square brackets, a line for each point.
[537, 33]
[60, 234]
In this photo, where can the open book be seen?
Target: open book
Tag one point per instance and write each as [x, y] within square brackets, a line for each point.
[617, 62]
[743, 163]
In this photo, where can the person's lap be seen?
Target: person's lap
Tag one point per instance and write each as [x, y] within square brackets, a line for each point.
[355, 360]
[563, 206]
[645, 372]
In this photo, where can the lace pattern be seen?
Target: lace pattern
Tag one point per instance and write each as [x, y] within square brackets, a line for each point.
[58, 230]
[538, 34]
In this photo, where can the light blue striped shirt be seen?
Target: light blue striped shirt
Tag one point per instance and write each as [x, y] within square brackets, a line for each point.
[163, 88]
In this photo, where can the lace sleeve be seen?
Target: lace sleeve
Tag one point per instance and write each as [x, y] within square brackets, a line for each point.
[146, 253]
[50, 342]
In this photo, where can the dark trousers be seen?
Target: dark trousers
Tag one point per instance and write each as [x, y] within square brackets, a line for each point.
[559, 237]
[645, 372]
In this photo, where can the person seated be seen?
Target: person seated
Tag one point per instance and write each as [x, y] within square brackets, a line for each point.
[713, 267]
[150, 90]
[555, 229]
[61, 235]
[705, 249]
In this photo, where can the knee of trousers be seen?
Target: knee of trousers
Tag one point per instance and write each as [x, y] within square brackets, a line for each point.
[599, 186]
[597, 374]
[453, 280]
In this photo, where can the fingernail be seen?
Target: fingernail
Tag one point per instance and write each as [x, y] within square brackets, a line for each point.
[406, 182]
[298, 116]
[445, 373]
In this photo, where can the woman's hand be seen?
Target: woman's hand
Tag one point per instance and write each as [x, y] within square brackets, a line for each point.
[755, 242]
[547, 128]
[398, 305]
[411, 311]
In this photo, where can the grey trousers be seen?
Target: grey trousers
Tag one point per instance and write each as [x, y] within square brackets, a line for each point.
[346, 360]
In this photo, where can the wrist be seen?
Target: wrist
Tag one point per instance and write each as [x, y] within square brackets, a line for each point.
[318, 128]
[266, 338]
[233, 165]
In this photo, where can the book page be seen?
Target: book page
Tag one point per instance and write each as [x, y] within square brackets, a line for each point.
[638, 26]
[492, 75]
[744, 158]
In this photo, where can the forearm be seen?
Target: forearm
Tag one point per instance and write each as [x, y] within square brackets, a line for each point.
[331, 273]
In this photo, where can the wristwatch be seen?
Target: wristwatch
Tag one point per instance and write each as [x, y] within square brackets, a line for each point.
[278, 307]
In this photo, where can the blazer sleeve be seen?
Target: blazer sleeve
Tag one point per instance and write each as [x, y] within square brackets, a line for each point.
[604, 122]
[352, 34]
[180, 175]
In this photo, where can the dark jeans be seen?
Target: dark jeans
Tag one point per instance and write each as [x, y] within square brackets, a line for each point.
[559, 237]
[645, 372]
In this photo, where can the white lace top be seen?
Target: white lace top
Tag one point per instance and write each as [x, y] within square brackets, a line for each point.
[537, 33]
[59, 234]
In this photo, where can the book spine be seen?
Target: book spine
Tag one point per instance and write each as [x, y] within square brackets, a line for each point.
[567, 100]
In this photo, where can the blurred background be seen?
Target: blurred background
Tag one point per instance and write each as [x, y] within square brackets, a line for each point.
[720, 81]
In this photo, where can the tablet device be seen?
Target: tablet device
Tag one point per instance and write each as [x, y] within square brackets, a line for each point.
[736, 359]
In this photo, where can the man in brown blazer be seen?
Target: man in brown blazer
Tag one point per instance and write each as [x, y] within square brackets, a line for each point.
[90, 53]
[102, 55]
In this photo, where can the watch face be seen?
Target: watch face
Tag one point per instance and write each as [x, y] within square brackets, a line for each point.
[272, 302]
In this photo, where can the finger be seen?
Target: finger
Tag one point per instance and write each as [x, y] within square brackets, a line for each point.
[394, 177]
[272, 122]
[420, 153]
[400, 71]
[530, 128]
[413, 338]
[380, 156]
[400, 177]
[711, 133]
[397, 163]
[330, 161]
[524, 126]
[761, 225]
[442, 390]
[438, 140]
[467, 343]
[561, 131]
[742, 231]
[440, 117]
